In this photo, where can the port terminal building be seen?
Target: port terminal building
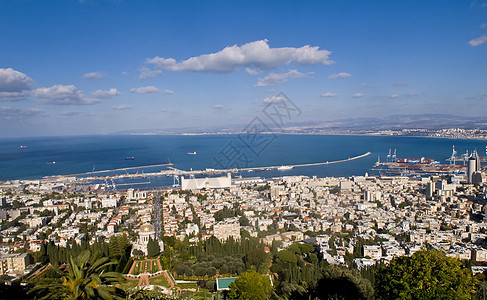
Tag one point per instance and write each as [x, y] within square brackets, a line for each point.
[207, 183]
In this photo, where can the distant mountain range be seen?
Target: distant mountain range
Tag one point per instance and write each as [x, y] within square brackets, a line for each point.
[392, 122]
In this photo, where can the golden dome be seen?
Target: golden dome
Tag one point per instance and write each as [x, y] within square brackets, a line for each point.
[146, 228]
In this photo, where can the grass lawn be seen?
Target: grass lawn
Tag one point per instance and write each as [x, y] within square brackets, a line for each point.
[159, 280]
[155, 267]
[188, 285]
[136, 268]
[145, 266]
[130, 283]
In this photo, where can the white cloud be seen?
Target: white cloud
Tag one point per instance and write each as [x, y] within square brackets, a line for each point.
[122, 107]
[105, 94]
[257, 55]
[17, 113]
[478, 41]
[150, 90]
[94, 75]
[274, 78]
[394, 96]
[339, 75]
[125, 73]
[483, 26]
[13, 96]
[252, 71]
[148, 73]
[329, 94]
[63, 95]
[218, 106]
[14, 85]
[357, 95]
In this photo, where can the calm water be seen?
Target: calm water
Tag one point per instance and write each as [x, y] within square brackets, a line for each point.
[85, 153]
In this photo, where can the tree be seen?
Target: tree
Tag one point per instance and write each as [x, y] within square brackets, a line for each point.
[87, 279]
[244, 221]
[428, 274]
[341, 283]
[251, 285]
[287, 257]
[255, 257]
[153, 248]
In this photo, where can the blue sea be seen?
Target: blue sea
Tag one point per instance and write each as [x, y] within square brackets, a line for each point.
[79, 154]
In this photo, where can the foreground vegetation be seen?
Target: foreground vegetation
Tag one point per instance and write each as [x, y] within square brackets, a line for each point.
[297, 272]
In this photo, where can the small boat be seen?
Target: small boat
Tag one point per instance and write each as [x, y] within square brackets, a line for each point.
[192, 153]
[23, 147]
[284, 168]
[51, 163]
[129, 158]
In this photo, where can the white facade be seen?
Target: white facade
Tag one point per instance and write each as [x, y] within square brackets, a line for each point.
[225, 229]
[373, 251]
[208, 183]
[109, 202]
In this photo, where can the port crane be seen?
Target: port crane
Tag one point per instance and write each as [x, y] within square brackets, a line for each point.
[453, 156]
[175, 181]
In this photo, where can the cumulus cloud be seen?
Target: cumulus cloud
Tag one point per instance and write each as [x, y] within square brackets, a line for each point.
[62, 95]
[257, 55]
[13, 96]
[339, 75]
[94, 75]
[150, 90]
[274, 78]
[329, 94]
[394, 96]
[148, 73]
[252, 71]
[357, 95]
[105, 94]
[17, 113]
[478, 41]
[122, 107]
[14, 85]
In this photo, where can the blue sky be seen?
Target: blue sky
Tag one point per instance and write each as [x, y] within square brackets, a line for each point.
[91, 67]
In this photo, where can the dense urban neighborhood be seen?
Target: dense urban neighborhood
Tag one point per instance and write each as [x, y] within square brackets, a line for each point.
[195, 242]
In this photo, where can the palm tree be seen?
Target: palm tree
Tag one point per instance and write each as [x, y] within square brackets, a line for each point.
[87, 279]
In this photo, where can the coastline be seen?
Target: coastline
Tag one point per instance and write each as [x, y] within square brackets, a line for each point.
[30, 163]
[282, 132]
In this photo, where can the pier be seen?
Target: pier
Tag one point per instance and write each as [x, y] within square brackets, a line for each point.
[171, 171]
[121, 169]
[310, 164]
